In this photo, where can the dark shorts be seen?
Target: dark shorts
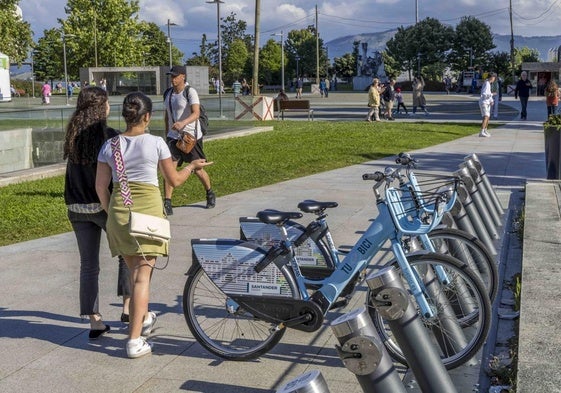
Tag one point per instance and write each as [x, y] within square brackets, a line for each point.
[180, 157]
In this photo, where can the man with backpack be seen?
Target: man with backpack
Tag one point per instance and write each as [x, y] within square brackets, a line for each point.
[182, 115]
[389, 96]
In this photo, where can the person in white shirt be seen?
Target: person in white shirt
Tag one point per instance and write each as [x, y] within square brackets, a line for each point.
[485, 104]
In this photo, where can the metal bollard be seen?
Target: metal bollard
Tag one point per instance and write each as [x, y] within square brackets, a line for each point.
[310, 382]
[478, 182]
[392, 302]
[364, 354]
[477, 163]
[465, 176]
[474, 218]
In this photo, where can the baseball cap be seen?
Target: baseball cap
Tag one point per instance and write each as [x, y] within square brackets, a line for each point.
[177, 70]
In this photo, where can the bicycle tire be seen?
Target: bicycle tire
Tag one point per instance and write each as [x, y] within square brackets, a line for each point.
[475, 292]
[229, 335]
[468, 248]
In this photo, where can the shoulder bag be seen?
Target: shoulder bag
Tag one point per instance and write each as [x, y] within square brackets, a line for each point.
[140, 225]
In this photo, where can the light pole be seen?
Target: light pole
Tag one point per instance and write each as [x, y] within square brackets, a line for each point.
[297, 58]
[218, 2]
[419, 63]
[64, 36]
[282, 56]
[169, 41]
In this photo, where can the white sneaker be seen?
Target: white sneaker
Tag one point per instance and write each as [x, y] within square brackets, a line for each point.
[138, 347]
[148, 324]
[484, 134]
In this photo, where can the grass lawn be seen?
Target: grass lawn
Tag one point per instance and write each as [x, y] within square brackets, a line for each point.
[294, 149]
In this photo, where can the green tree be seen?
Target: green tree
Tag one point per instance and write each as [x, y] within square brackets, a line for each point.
[203, 57]
[15, 32]
[156, 47]
[345, 66]
[471, 38]
[48, 62]
[270, 63]
[302, 44]
[235, 61]
[401, 50]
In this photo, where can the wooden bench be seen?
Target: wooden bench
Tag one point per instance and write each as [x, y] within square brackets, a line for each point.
[295, 106]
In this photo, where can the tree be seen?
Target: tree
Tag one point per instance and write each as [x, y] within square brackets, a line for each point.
[471, 38]
[270, 62]
[302, 44]
[235, 60]
[156, 47]
[401, 49]
[15, 32]
[203, 57]
[48, 62]
[345, 66]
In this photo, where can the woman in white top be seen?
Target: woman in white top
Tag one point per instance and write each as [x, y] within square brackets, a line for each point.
[143, 154]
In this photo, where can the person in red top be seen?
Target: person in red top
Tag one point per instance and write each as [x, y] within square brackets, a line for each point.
[551, 97]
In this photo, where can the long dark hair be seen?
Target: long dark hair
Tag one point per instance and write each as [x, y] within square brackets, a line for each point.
[87, 129]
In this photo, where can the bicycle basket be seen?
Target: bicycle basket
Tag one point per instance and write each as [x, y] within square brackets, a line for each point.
[418, 207]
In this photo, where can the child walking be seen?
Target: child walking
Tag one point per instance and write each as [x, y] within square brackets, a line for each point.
[399, 99]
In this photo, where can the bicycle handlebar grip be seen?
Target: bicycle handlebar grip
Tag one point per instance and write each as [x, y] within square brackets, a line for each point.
[376, 176]
[404, 159]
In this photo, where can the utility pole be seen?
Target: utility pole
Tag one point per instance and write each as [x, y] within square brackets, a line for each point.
[317, 47]
[511, 41]
[255, 84]
[416, 11]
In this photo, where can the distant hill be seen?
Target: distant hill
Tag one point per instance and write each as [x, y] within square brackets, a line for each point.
[377, 41]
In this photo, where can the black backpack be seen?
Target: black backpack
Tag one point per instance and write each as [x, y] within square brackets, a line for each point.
[203, 117]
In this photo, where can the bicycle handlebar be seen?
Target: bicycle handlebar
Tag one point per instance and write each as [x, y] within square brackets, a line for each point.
[406, 159]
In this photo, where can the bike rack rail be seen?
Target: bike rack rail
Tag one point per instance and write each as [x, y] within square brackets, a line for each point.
[364, 354]
[392, 302]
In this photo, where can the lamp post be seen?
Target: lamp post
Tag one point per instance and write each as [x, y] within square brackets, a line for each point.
[218, 2]
[297, 58]
[169, 41]
[64, 36]
[419, 63]
[281, 34]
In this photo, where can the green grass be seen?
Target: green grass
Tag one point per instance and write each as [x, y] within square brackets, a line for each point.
[294, 149]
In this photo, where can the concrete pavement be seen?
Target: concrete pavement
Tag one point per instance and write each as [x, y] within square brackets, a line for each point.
[44, 343]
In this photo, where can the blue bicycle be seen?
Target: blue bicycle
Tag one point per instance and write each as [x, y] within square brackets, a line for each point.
[239, 298]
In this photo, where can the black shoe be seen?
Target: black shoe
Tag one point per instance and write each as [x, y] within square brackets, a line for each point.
[125, 318]
[167, 207]
[97, 333]
[210, 199]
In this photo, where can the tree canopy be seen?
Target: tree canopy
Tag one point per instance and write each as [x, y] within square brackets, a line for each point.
[17, 37]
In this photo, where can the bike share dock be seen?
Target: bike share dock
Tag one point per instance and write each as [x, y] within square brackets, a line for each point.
[45, 345]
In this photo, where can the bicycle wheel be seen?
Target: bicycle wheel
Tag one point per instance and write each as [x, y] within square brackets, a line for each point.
[463, 297]
[220, 325]
[467, 248]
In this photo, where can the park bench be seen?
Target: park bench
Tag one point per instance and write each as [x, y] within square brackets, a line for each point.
[295, 106]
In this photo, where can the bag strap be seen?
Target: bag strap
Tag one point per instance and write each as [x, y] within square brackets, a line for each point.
[121, 171]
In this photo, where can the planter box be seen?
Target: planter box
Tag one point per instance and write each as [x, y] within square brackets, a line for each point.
[552, 137]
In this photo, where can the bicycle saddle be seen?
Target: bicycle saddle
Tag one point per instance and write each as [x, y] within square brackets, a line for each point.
[270, 216]
[310, 206]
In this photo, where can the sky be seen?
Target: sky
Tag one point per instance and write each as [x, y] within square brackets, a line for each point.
[336, 18]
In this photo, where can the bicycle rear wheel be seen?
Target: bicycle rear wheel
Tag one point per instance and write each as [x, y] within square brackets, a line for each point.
[464, 294]
[467, 248]
[220, 325]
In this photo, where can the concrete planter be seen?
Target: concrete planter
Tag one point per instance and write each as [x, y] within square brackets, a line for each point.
[552, 137]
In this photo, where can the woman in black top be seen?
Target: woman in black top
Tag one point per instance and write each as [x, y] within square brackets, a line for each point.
[85, 134]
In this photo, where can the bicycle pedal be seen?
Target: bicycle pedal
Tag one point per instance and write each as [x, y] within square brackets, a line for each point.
[339, 304]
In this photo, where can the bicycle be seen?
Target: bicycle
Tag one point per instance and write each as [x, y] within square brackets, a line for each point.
[325, 256]
[239, 297]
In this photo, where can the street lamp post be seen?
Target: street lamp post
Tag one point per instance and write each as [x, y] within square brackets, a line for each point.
[64, 36]
[419, 63]
[281, 34]
[297, 58]
[218, 2]
[169, 41]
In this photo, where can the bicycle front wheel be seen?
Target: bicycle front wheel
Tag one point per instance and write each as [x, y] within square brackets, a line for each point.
[463, 297]
[220, 325]
[467, 248]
